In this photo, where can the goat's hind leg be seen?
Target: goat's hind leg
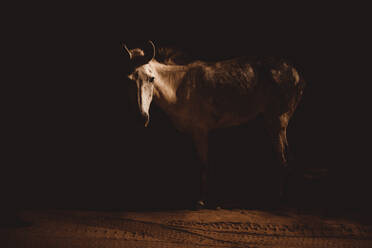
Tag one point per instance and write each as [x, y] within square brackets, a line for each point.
[277, 128]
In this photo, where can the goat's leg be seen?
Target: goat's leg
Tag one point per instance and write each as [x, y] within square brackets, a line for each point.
[201, 144]
[277, 127]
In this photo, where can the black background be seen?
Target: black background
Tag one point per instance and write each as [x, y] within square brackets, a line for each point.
[75, 141]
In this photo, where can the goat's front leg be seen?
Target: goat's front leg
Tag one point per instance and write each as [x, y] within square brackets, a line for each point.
[200, 138]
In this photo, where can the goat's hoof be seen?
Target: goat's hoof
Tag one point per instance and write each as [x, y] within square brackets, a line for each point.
[200, 205]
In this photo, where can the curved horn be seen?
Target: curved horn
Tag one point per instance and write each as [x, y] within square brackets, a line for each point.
[149, 53]
[153, 49]
[127, 50]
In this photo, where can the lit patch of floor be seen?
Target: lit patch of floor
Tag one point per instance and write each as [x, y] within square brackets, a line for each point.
[204, 228]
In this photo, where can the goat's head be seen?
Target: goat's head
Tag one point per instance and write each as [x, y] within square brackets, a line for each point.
[143, 75]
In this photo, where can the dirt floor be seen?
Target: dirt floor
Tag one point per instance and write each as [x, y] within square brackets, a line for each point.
[184, 228]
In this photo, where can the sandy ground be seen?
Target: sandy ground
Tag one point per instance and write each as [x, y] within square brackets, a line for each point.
[203, 228]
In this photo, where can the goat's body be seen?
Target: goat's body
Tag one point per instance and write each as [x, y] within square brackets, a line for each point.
[214, 95]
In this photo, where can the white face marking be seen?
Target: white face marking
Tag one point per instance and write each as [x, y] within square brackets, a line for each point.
[145, 89]
[146, 93]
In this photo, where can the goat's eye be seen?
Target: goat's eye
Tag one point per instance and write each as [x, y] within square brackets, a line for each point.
[151, 79]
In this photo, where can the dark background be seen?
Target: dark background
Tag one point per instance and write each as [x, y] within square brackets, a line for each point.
[75, 141]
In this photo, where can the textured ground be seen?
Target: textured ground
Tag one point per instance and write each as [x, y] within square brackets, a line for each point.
[204, 228]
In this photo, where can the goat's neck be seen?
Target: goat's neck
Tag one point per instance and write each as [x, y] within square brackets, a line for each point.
[167, 80]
